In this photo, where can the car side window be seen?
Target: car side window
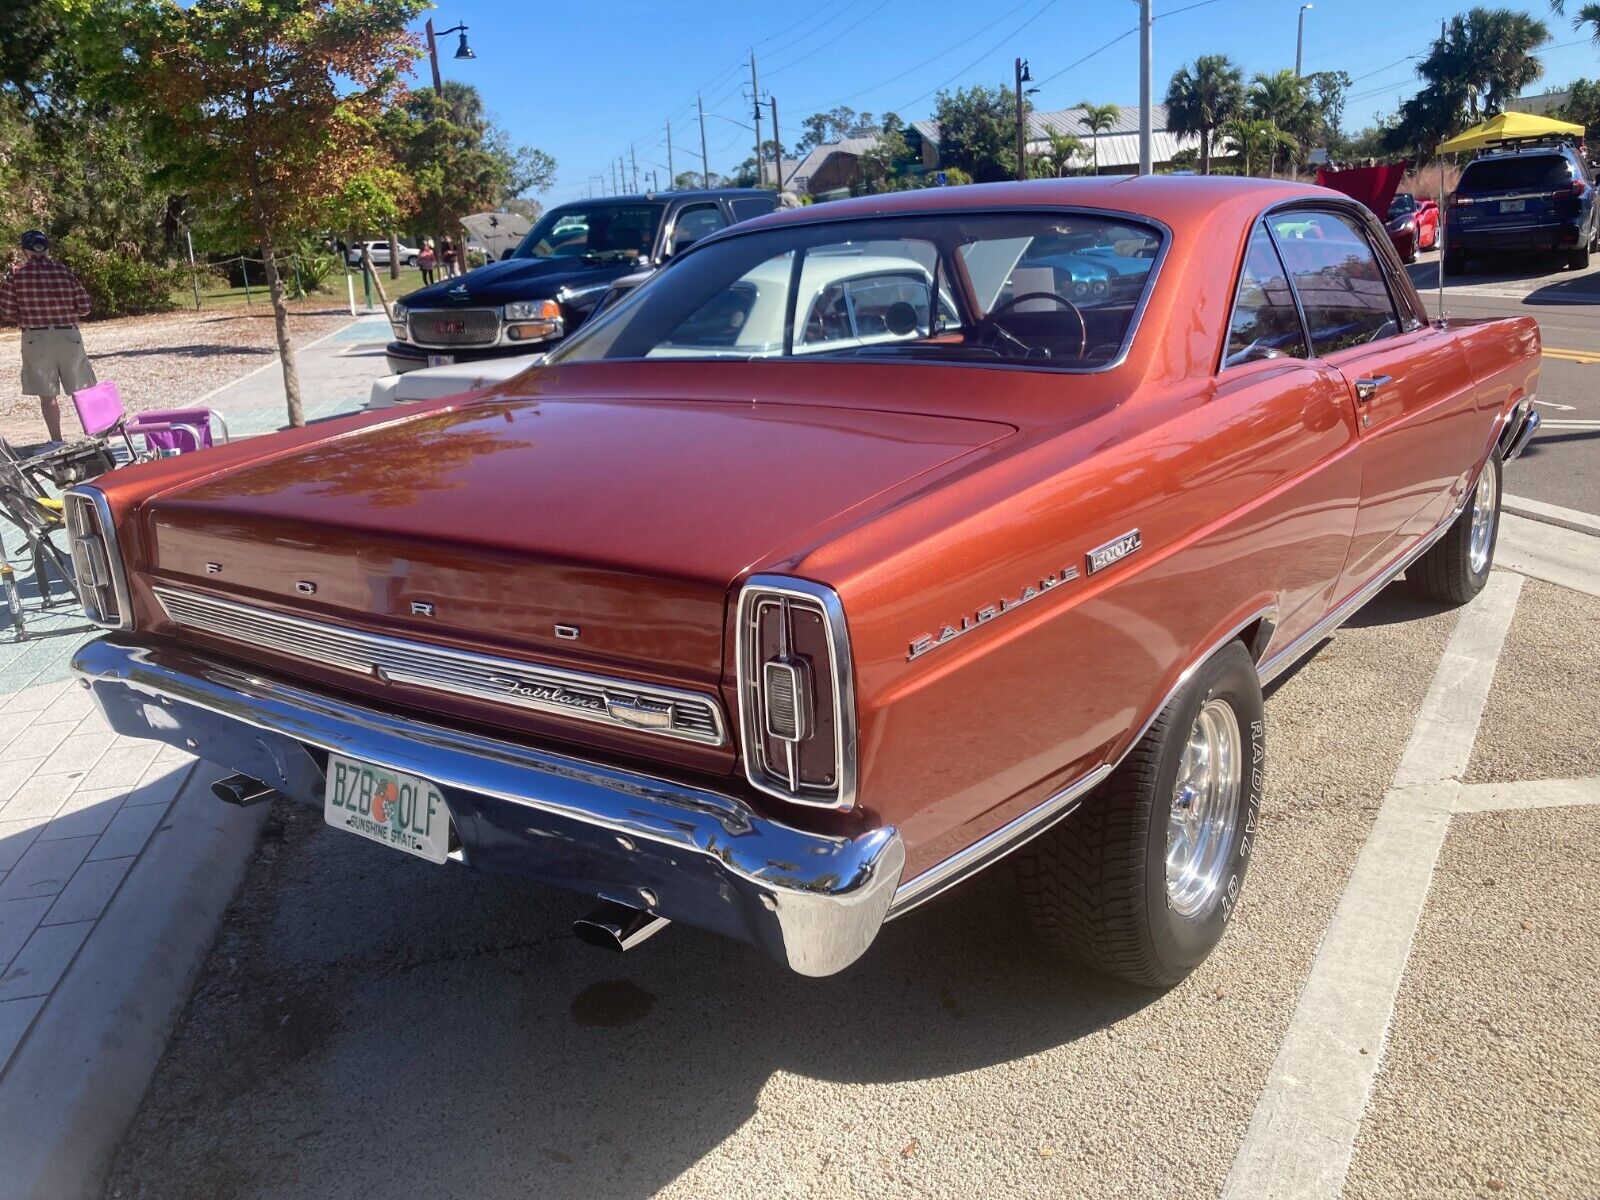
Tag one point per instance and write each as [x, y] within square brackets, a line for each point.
[1265, 322]
[1338, 277]
[695, 222]
[745, 207]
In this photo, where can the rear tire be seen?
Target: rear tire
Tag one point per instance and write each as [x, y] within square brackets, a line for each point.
[1578, 260]
[1457, 566]
[1124, 887]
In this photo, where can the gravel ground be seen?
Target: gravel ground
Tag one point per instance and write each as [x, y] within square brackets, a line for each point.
[370, 1024]
[167, 360]
[1543, 717]
[1491, 1083]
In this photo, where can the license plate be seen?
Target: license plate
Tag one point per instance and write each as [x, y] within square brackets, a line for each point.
[1513, 205]
[387, 806]
[441, 360]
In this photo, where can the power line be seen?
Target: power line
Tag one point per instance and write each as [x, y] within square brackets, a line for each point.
[1048, 4]
[1126, 33]
[771, 71]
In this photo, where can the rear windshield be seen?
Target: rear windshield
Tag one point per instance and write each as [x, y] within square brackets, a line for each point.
[1055, 290]
[1521, 173]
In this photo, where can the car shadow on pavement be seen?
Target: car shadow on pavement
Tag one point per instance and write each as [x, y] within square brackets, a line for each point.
[367, 1022]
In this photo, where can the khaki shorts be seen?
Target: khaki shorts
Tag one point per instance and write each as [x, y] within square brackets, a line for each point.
[53, 361]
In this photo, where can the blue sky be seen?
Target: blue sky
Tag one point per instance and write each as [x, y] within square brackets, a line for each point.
[584, 81]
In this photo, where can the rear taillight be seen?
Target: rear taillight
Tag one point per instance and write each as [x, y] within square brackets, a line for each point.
[1571, 192]
[95, 559]
[796, 697]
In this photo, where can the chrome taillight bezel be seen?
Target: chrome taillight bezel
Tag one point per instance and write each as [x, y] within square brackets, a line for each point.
[90, 528]
[823, 601]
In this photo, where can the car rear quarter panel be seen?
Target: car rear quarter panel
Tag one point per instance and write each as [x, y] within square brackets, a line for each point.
[1244, 489]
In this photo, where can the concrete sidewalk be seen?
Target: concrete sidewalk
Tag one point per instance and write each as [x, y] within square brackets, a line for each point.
[115, 861]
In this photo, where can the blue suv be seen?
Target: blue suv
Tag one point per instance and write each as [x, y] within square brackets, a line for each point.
[1538, 199]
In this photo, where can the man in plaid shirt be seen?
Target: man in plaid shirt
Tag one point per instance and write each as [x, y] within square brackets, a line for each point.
[45, 298]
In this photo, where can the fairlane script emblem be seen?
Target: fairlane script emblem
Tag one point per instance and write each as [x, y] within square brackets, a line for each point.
[971, 621]
[545, 693]
[1113, 551]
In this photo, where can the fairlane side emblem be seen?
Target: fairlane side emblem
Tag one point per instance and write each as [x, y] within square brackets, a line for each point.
[641, 713]
[971, 621]
[546, 693]
[1114, 551]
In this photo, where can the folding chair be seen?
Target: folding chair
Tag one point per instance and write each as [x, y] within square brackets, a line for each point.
[168, 431]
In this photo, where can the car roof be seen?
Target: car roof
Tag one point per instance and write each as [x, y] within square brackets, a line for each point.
[1177, 202]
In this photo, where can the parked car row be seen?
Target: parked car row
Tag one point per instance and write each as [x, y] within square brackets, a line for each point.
[863, 546]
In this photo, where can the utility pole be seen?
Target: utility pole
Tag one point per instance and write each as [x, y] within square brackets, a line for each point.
[777, 155]
[433, 57]
[1146, 54]
[755, 96]
[705, 159]
[1023, 75]
[672, 176]
[635, 159]
[616, 188]
[1300, 40]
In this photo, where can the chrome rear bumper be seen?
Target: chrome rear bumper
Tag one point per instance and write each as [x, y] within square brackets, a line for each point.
[688, 854]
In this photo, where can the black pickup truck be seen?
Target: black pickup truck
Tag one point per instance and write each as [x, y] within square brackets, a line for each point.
[545, 288]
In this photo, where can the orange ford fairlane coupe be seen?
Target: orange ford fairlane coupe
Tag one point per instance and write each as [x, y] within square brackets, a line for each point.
[867, 544]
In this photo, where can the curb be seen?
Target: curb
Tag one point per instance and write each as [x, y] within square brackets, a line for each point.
[77, 1080]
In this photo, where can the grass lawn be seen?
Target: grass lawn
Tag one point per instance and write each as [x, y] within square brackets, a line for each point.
[214, 294]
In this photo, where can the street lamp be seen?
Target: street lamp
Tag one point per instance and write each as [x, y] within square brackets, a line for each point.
[462, 50]
[1300, 39]
[1023, 76]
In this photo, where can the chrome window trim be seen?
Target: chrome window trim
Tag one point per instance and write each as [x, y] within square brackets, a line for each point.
[844, 691]
[1365, 223]
[364, 654]
[119, 568]
[1135, 321]
[1238, 282]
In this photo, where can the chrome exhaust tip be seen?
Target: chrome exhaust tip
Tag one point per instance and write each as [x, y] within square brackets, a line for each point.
[617, 927]
[241, 790]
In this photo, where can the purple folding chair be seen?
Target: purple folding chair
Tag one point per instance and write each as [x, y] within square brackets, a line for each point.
[168, 431]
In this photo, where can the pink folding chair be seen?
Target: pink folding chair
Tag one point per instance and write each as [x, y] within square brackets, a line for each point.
[168, 431]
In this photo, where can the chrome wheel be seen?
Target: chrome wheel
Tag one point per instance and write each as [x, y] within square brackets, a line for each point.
[1205, 809]
[1484, 512]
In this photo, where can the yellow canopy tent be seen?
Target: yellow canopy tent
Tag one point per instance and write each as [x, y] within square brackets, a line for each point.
[1508, 126]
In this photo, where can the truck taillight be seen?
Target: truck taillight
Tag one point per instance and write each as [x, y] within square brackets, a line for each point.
[796, 697]
[96, 560]
[1459, 201]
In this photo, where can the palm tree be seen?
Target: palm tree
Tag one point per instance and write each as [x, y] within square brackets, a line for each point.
[1053, 163]
[1588, 15]
[1201, 99]
[1255, 139]
[1282, 99]
[1098, 119]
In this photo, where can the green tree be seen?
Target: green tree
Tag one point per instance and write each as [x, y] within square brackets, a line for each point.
[1484, 58]
[1098, 119]
[1327, 91]
[978, 132]
[264, 111]
[1256, 141]
[885, 168]
[834, 125]
[1202, 97]
[458, 159]
[1583, 106]
[1587, 16]
[1282, 99]
[1055, 161]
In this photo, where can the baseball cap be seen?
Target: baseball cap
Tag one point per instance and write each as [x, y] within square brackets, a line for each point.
[35, 239]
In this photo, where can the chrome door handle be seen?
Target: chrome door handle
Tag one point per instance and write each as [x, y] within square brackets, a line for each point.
[1367, 386]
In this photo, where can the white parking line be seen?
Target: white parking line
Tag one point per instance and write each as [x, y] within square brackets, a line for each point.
[1303, 1130]
[1525, 507]
[1530, 793]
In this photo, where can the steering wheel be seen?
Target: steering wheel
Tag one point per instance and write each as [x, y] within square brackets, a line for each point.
[992, 321]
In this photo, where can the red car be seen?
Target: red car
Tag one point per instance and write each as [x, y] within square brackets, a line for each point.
[854, 552]
[1413, 225]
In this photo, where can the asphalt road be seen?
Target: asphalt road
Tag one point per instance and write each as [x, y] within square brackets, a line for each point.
[1562, 466]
